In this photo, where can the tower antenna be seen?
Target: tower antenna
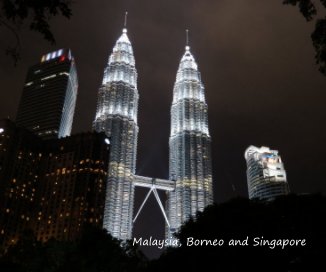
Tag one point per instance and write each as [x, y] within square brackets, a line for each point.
[187, 37]
[126, 16]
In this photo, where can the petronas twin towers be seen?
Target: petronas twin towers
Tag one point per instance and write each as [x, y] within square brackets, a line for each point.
[189, 186]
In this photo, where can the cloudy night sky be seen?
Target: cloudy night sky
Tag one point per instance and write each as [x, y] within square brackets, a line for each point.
[257, 64]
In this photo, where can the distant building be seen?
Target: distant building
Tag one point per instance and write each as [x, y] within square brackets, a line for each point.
[266, 176]
[53, 187]
[48, 100]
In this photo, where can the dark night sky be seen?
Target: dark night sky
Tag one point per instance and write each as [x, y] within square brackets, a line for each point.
[257, 64]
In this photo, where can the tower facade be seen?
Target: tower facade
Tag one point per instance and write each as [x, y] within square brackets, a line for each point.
[266, 176]
[116, 115]
[190, 146]
[53, 187]
[49, 96]
[72, 186]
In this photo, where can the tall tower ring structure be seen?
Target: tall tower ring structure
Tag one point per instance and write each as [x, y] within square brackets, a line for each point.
[116, 115]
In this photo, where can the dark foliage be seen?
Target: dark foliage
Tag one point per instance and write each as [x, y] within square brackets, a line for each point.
[15, 13]
[292, 217]
[308, 10]
[319, 42]
[96, 251]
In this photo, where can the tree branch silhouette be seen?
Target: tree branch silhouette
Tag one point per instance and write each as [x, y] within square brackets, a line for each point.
[309, 11]
[34, 13]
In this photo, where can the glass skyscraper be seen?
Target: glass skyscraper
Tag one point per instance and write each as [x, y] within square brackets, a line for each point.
[189, 188]
[190, 146]
[266, 176]
[116, 115]
[49, 96]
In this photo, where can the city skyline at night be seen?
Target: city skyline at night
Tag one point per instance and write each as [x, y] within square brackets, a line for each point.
[257, 62]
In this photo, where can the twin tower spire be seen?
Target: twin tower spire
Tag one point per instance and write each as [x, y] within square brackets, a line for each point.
[190, 175]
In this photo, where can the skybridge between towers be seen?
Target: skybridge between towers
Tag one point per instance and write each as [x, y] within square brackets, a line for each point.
[154, 184]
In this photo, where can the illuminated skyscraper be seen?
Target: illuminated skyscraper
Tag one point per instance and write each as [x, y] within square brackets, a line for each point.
[189, 188]
[49, 96]
[116, 115]
[190, 153]
[266, 176]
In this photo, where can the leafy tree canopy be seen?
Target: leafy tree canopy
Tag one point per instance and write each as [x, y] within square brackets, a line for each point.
[34, 13]
[291, 217]
[95, 251]
[309, 11]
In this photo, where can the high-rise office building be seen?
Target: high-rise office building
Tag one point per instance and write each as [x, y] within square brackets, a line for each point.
[190, 150]
[116, 115]
[53, 187]
[266, 176]
[20, 162]
[48, 100]
[72, 188]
